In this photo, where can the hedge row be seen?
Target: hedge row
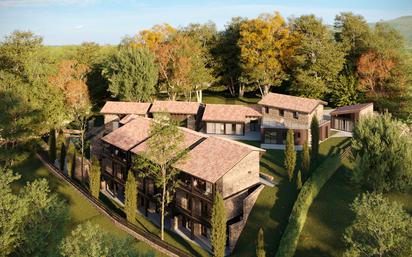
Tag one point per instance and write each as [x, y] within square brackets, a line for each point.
[309, 191]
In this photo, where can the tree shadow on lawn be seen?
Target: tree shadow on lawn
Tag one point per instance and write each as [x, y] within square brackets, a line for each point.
[312, 252]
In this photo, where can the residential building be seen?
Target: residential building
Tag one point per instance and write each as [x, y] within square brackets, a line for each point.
[237, 121]
[187, 113]
[345, 117]
[283, 112]
[212, 165]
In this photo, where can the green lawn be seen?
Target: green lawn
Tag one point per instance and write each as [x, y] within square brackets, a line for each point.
[80, 210]
[225, 98]
[273, 207]
[330, 214]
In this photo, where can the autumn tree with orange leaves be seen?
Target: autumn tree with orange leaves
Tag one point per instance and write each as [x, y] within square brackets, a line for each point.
[71, 79]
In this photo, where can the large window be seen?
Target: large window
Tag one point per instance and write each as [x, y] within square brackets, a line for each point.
[254, 125]
[270, 137]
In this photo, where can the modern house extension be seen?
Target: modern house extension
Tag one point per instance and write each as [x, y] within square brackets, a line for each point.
[187, 113]
[283, 112]
[212, 165]
[345, 117]
[234, 121]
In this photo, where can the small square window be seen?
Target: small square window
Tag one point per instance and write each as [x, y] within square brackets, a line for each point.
[281, 112]
[296, 115]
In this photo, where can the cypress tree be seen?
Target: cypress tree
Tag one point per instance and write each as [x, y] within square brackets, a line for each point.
[290, 154]
[71, 160]
[218, 221]
[298, 181]
[260, 248]
[62, 156]
[130, 203]
[52, 145]
[95, 178]
[305, 160]
[314, 130]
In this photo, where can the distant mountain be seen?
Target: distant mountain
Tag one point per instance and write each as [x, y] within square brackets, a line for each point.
[404, 26]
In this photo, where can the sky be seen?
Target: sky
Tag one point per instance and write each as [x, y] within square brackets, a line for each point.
[63, 22]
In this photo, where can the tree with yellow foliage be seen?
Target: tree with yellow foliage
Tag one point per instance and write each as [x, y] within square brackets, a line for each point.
[262, 43]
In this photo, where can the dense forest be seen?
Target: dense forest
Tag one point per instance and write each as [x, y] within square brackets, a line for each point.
[45, 87]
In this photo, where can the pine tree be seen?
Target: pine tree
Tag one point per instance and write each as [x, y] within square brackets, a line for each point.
[95, 178]
[62, 156]
[305, 160]
[218, 221]
[130, 204]
[260, 249]
[290, 154]
[52, 145]
[314, 130]
[298, 181]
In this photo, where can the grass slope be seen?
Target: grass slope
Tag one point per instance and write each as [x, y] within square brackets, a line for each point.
[330, 214]
[273, 207]
[80, 210]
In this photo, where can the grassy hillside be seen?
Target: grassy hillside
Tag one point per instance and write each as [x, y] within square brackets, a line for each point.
[404, 26]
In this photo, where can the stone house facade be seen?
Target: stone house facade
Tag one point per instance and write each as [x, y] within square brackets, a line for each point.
[212, 165]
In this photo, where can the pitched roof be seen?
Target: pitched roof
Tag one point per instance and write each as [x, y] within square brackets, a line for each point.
[213, 158]
[128, 118]
[288, 102]
[111, 107]
[129, 135]
[189, 138]
[350, 108]
[230, 113]
[175, 107]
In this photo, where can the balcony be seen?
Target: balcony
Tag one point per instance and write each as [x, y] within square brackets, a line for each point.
[282, 124]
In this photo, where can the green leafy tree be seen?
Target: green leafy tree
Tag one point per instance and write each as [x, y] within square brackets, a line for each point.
[260, 248]
[380, 228]
[298, 181]
[355, 35]
[89, 240]
[95, 178]
[130, 205]
[383, 151]
[29, 105]
[52, 145]
[345, 91]
[63, 154]
[290, 154]
[218, 222]
[226, 52]
[314, 131]
[164, 148]
[32, 221]
[316, 60]
[305, 168]
[132, 74]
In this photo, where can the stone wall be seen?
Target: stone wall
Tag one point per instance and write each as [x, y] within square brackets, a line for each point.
[236, 229]
[243, 175]
[234, 205]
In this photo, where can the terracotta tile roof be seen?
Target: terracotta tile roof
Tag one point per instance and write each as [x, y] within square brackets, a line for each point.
[175, 107]
[213, 158]
[189, 138]
[129, 135]
[230, 113]
[288, 102]
[350, 108]
[111, 107]
[128, 118]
